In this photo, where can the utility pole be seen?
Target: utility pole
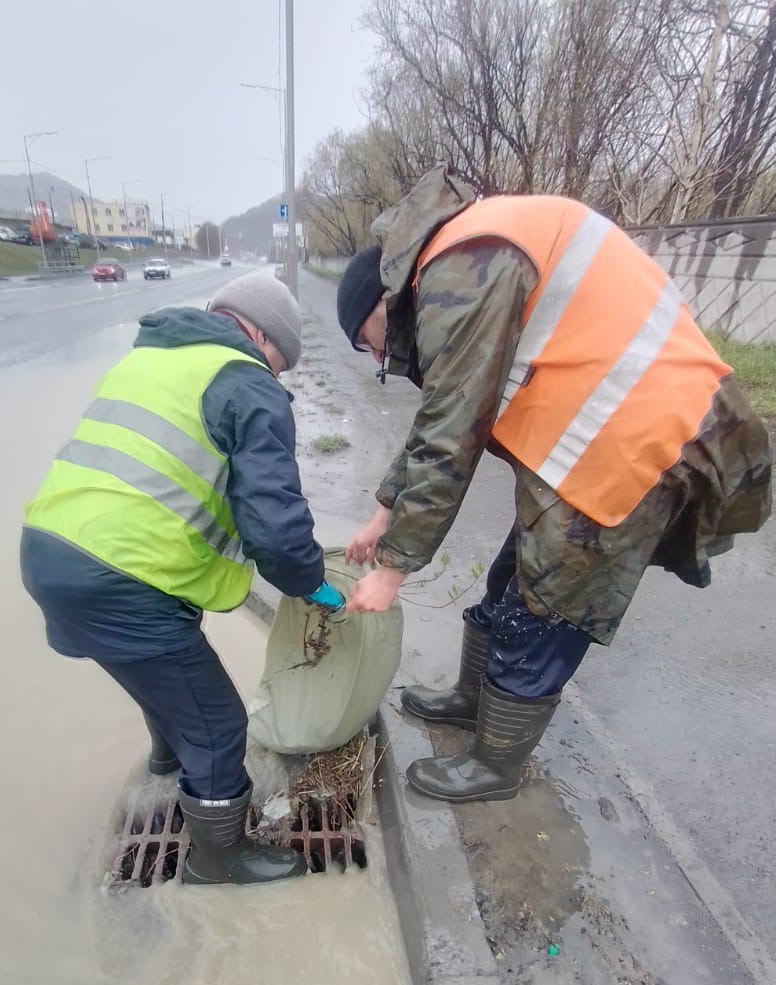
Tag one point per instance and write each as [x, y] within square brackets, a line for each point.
[35, 205]
[164, 230]
[87, 162]
[132, 181]
[290, 168]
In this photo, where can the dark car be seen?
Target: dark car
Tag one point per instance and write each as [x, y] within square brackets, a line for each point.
[157, 269]
[108, 269]
[23, 238]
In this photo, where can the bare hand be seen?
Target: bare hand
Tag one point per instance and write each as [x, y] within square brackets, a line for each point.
[376, 591]
[362, 547]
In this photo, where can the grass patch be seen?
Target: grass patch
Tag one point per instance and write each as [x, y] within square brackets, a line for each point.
[16, 260]
[335, 275]
[330, 444]
[755, 368]
[20, 261]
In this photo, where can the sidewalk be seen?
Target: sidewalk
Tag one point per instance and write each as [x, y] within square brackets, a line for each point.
[573, 881]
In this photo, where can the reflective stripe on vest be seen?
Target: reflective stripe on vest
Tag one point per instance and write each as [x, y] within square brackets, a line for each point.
[611, 376]
[153, 484]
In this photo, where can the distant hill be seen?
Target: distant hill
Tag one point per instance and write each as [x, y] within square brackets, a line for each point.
[252, 230]
[14, 197]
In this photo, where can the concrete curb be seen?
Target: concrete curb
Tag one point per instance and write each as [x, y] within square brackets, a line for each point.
[428, 871]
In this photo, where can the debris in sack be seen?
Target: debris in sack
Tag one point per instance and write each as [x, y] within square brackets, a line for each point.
[316, 640]
[553, 950]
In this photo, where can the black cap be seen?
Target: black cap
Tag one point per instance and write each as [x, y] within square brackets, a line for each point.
[359, 291]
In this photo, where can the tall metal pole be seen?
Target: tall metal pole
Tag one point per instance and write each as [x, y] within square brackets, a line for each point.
[35, 206]
[86, 217]
[164, 229]
[91, 203]
[290, 167]
[132, 181]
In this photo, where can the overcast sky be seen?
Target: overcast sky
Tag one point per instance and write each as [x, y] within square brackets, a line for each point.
[154, 86]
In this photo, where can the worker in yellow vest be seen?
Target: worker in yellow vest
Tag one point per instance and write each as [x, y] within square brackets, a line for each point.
[537, 329]
[179, 482]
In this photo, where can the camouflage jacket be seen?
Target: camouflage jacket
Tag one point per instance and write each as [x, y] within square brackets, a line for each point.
[455, 337]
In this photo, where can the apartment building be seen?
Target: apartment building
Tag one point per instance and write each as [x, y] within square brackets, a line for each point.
[110, 221]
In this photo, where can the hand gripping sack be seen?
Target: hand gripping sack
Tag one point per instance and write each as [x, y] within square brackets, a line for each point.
[324, 676]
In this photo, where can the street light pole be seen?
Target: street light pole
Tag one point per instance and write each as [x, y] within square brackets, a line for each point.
[35, 205]
[164, 230]
[91, 200]
[132, 181]
[290, 168]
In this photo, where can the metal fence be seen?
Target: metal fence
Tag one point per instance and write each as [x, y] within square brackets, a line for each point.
[726, 270]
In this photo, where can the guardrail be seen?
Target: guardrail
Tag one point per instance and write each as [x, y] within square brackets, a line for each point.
[60, 268]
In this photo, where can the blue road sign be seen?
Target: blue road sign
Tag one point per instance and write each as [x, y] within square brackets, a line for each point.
[283, 210]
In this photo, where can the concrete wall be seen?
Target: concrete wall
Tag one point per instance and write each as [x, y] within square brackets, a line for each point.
[726, 270]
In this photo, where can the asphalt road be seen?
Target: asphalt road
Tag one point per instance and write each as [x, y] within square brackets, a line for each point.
[681, 707]
[51, 318]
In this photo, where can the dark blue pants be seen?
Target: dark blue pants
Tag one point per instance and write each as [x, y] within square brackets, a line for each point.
[153, 646]
[191, 701]
[528, 656]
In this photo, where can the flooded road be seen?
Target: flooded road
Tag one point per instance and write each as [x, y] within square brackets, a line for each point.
[75, 745]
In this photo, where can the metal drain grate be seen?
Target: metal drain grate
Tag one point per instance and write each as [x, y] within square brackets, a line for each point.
[153, 844]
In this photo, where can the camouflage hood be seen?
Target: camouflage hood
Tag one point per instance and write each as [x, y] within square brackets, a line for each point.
[402, 231]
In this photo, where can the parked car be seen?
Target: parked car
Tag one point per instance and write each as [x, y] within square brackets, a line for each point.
[7, 235]
[157, 269]
[226, 260]
[23, 237]
[108, 269]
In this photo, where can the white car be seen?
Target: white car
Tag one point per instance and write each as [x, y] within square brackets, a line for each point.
[157, 269]
[9, 235]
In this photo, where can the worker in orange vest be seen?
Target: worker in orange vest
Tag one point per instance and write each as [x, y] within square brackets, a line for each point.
[537, 329]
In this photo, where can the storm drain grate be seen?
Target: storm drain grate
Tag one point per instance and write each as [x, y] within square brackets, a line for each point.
[154, 843]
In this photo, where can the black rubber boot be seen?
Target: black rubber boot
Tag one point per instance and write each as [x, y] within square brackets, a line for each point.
[508, 730]
[458, 704]
[222, 852]
[162, 759]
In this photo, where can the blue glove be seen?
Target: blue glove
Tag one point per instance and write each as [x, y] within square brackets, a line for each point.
[327, 597]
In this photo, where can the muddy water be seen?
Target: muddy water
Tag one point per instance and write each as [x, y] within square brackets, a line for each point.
[74, 746]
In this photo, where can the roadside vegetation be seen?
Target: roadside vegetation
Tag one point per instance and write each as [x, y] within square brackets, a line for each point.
[330, 444]
[18, 260]
[649, 111]
[755, 368]
[22, 261]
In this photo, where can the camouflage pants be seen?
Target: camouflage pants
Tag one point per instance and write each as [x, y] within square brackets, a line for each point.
[570, 567]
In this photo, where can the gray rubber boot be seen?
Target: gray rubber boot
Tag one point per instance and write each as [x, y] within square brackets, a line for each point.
[222, 852]
[162, 760]
[508, 730]
[456, 705]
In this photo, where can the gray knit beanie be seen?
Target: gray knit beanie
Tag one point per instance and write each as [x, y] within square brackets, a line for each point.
[270, 306]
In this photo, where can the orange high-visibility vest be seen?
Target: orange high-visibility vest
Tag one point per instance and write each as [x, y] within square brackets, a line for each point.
[611, 376]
